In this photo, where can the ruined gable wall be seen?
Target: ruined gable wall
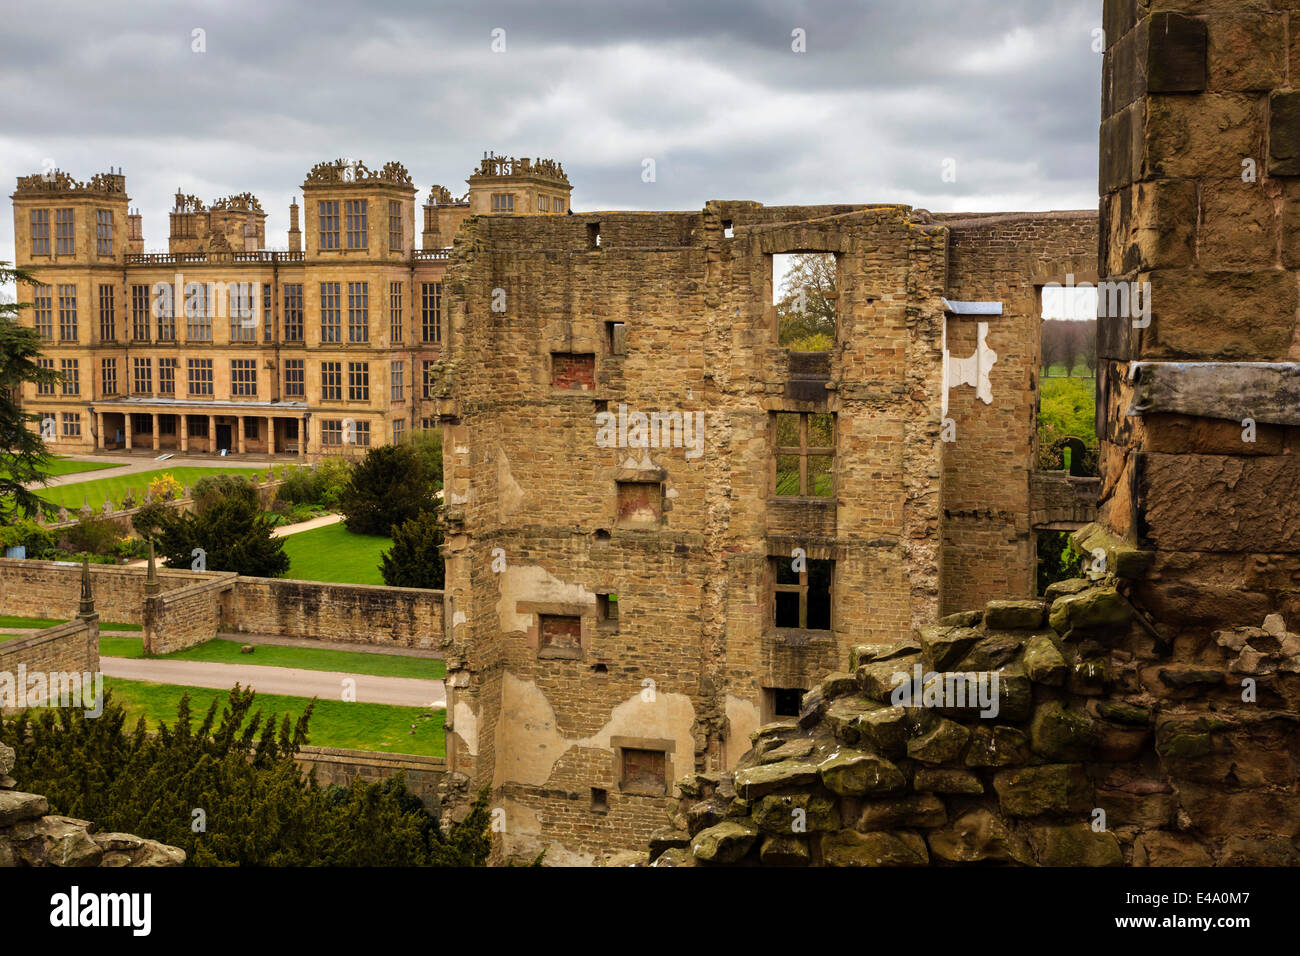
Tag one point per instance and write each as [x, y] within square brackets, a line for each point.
[988, 544]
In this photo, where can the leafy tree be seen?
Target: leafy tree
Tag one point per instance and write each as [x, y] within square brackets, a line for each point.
[23, 458]
[806, 307]
[427, 443]
[228, 524]
[238, 768]
[388, 487]
[415, 559]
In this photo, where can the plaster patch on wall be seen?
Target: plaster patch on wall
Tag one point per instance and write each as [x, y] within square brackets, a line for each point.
[743, 718]
[531, 582]
[465, 720]
[510, 495]
[529, 742]
[522, 839]
[973, 370]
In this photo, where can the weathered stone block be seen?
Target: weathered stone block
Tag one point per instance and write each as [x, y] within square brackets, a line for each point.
[754, 782]
[1159, 848]
[725, 843]
[1059, 733]
[1177, 54]
[1194, 137]
[1238, 222]
[851, 773]
[1284, 134]
[1043, 662]
[849, 848]
[1247, 52]
[1099, 609]
[931, 780]
[1052, 788]
[944, 742]
[778, 813]
[1014, 615]
[914, 811]
[16, 806]
[978, 835]
[1074, 844]
[1193, 315]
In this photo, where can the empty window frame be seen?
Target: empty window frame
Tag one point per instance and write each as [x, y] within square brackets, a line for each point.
[802, 599]
[804, 446]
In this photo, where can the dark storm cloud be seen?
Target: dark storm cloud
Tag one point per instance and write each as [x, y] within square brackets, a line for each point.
[711, 91]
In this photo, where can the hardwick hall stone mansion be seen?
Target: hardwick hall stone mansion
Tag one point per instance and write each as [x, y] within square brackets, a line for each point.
[223, 345]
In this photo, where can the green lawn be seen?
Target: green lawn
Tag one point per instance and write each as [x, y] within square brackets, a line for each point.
[1059, 371]
[93, 492]
[66, 466]
[333, 723]
[335, 554]
[275, 655]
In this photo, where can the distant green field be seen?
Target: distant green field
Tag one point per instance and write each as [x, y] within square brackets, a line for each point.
[276, 655]
[1060, 371]
[334, 723]
[93, 492]
[333, 553]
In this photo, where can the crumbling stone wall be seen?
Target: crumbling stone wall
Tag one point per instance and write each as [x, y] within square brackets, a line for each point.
[556, 320]
[989, 547]
[1104, 751]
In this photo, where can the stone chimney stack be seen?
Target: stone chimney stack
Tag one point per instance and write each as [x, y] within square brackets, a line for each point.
[295, 233]
[135, 232]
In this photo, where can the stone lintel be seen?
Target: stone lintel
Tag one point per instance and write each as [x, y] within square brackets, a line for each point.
[1267, 392]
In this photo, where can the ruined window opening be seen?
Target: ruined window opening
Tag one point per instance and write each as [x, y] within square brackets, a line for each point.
[783, 702]
[616, 338]
[559, 635]
[573, 371]
[728, 232]
[804, 293]
[602, 534]
[599, 800]
[802, 599]
[600, 670]
[640, 503]
[607, 608]
[804, 446]
[593, 234]
[644, 771]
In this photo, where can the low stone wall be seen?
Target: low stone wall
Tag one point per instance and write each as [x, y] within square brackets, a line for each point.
[70, 648]
[52, 589]
[351, 613]
[1062, 502]
[188, 615]
[194, 606]
[340, 767]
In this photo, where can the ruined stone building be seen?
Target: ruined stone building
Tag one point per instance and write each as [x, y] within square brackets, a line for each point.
[623, 600]
[224, 344]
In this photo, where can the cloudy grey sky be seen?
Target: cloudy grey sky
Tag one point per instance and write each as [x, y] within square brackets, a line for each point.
[886, 91]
